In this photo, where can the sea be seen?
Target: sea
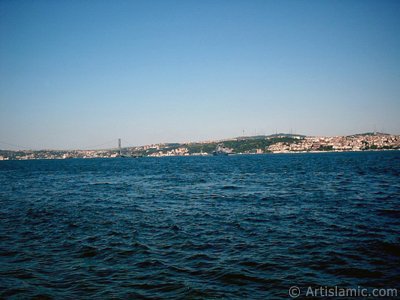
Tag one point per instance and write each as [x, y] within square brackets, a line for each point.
[224, 227]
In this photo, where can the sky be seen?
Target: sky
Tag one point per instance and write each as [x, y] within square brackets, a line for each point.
[81, 74]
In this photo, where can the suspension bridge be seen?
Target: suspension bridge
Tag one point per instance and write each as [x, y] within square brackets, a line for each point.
[114, 144]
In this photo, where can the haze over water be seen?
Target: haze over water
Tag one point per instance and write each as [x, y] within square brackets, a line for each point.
[237, 227]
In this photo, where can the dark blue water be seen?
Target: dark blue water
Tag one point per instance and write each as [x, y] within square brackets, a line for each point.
[238, 227]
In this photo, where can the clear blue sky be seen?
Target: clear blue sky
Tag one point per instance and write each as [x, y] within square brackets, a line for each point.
[79, 73]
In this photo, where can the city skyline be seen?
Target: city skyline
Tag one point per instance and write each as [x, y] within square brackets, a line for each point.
[277, 143]
[75, 74]
[118, 143]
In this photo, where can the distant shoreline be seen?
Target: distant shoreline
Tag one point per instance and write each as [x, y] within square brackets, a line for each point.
[277, 143]
[209, 155]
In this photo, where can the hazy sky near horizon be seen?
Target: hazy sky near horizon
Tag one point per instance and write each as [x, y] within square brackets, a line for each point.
[75, 74]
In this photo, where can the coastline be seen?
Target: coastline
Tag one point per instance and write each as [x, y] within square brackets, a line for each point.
[251, 145]
[208, 155]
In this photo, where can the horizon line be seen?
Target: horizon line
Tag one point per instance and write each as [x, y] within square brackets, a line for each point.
[186, 142]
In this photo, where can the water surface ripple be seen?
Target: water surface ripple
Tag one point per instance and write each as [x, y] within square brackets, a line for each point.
[238, 227]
